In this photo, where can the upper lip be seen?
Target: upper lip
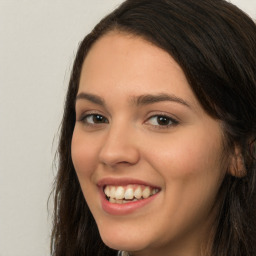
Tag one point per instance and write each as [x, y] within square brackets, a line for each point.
[123, 182]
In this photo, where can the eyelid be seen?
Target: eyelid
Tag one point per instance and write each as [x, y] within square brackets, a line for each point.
[86, 114]
[83, 106]
[96, 115]
[82, 114]
[163, 113]
[174, 121]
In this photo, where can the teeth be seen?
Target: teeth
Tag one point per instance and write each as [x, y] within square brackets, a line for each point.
[112, 200]
[130, 193]
[119, 193]
[112, 192]
[138, 193]
[107, 191]
[146, 192]
[154, 191]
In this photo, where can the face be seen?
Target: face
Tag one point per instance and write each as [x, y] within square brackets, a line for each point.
[147, 156]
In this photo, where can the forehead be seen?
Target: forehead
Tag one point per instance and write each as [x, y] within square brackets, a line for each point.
[126, 50]
[131, 65]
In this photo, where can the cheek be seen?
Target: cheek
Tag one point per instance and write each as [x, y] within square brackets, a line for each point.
[191, 172]
[187, 154]
[190, 165]
[83, 153]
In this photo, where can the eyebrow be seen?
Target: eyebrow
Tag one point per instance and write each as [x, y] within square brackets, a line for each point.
[91, 97]
[147, 99]
[141, 100]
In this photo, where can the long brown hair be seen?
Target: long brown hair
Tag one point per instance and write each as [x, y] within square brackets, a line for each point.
[215, 44]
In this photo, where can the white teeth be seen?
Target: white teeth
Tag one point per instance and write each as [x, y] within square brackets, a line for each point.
[119, 193]
[146, 192]
[107, 191]
[128, 193]
[112, 191]
[138, 193]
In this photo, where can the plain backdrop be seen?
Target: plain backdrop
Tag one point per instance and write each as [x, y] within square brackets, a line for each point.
[38, 41]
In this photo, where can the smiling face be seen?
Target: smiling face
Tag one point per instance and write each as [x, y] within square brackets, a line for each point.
[142, 136]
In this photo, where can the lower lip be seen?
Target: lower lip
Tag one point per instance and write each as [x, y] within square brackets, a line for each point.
[126, 208]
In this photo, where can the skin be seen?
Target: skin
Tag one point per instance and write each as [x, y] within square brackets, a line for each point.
[183, 158]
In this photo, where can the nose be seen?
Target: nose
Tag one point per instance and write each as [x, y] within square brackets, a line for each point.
[119, 147]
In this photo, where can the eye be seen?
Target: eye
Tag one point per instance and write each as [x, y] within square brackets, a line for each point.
[92, 119]
[162, 121]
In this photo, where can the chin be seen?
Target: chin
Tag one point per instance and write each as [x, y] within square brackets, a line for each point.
[123, 240]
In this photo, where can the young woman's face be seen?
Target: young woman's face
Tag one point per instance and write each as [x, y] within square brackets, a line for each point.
[147, 156]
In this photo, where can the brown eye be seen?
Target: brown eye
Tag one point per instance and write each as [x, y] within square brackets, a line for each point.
[161, 121]
[99, 119]
[94, 119]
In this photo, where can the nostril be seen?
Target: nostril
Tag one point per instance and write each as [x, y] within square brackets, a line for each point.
[119, 149]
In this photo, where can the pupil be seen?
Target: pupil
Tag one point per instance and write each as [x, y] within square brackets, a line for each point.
[162, 120]
[98, 119]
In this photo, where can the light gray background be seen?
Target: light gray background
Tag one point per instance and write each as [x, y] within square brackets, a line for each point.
[38, 40]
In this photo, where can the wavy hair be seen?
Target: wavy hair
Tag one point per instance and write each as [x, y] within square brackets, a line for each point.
[214, 42]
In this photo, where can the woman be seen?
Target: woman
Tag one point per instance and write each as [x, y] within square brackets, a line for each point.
[157, 147]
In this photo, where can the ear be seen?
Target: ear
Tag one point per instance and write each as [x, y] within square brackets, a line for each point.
[236, 166]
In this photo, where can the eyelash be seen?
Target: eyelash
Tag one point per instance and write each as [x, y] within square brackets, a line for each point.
[171, 121]
[93, 115]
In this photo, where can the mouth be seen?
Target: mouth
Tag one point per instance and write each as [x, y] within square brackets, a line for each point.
[117, 194]
[123, 196]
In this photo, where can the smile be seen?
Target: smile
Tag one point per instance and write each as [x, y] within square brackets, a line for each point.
[122, 196]
[129, 193]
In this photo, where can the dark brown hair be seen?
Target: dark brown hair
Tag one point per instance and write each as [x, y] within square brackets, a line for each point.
[214, 42]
